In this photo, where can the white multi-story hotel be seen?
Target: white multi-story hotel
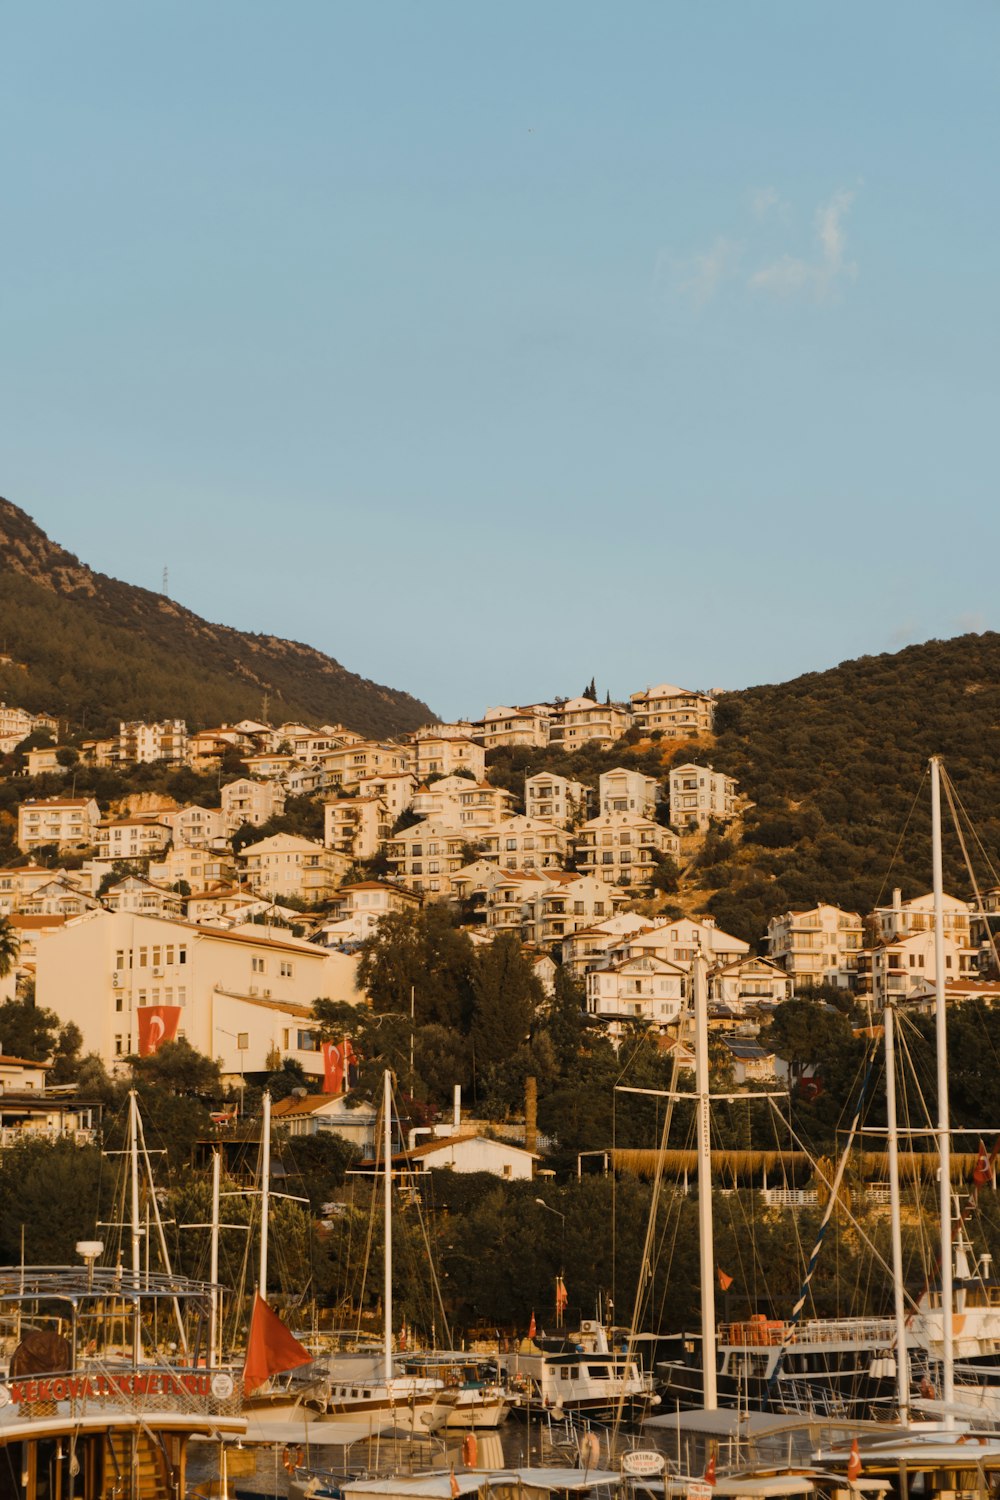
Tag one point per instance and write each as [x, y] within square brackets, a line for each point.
[239, 996]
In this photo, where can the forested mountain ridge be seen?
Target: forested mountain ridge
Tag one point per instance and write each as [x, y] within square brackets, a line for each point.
[834, 762]
[99, 650]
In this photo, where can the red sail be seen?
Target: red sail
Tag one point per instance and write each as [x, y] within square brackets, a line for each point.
[270, 1348]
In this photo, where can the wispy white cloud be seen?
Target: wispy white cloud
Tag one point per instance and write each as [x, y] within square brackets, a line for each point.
[767, 200]
[791, 275]
[698, 278]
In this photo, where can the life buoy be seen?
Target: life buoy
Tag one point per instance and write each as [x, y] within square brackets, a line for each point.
[590, 1450]
[292, 1458]
[470, 1450]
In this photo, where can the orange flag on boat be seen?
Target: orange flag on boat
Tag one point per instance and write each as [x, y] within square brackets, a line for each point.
[725, 1282]
[710, 1471]
[531, 1325]
[854, 1463]
[270, 1347]
[456, 1488]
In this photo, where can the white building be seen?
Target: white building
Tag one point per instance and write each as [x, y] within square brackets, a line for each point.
[585, 948]
[141, 744]
[567, 903]
[624, 848]
[194, 867]
[68, 822]
[285, 865]
[902, 957]
[458, 802]
[556, 799]
[628, 791]
[818, 946]
[581, 721]
[742, 984]
[136, 894]
[472, 1153]
[524, 843]
[239, 996]
[424, 858]
[395, 788]
[678, 940]
[646, 991]
[699, 796]
[133, 839]
[329, 1114]
[195, 827]
[516, 726]
[347, 766]
[355, 826]
[672, 711]
[443, 755]
[253, 802]
[357, 909]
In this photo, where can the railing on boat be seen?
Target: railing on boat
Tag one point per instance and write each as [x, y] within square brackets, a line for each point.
[759, 1331]
[99, 1388]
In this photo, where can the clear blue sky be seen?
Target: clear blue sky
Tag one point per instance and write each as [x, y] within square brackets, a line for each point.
[491, 347]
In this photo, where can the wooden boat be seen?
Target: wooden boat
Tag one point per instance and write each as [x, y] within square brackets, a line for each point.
[81, 1421]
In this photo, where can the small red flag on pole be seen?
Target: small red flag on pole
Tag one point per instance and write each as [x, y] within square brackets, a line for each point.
[981, 1171]
[710, 1471]
[854, 1463]
[725, 1282]
[531, 1325]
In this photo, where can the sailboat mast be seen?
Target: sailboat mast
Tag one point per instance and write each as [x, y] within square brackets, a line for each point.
[213, 1274]
[902, 1358]
[944, 1124]
[387, 1171]
[136, 1227]
[705, 1227]
[265, 1188]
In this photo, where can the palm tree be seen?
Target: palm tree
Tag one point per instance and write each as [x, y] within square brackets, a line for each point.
[10, 946]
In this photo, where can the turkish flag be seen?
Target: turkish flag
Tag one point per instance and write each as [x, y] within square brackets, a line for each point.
[725, 1282]
[157, 1024]
[338, 1066]
[270, 1347]
[710, 1471]
[981, 1171]
[531, 1327]
[854, 1463]
[333, 1069]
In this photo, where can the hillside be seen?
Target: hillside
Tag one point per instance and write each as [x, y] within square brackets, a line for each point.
[99, 650]
[834, 762]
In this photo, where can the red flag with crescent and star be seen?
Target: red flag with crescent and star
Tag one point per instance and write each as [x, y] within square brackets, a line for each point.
[337, 1064]
[157, 1024]
[981, 1173]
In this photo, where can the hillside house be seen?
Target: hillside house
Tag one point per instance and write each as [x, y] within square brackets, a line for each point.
[817, 946]
[674, 712]
[67, 822]
[700, 796]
